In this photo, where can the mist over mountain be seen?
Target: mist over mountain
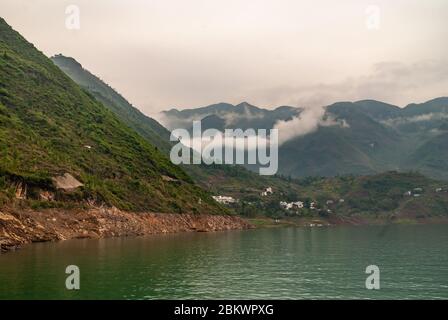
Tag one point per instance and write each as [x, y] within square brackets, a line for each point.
[362, 137]
[225, 115]
[149, 128]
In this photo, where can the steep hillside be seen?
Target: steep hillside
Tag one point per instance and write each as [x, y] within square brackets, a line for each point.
[147, 127]
[49, 126]
[205, 176]
[430, 157]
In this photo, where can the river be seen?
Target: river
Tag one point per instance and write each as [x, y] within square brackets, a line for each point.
[278, 263]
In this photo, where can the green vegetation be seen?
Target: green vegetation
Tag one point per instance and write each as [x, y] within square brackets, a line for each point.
[47, 121]
[348, 151]
[50, 126]
[147, 127]
[378, 196]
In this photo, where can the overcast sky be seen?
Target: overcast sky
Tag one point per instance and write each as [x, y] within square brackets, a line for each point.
[187, 53]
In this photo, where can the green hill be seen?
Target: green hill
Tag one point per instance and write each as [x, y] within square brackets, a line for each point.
[389, 195]
[205, 176]
[147, 127]
[50, 126]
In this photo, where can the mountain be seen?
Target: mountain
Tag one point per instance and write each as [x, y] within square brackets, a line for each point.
[429, 157]
[362, 137]
[378, 110]
[225, 115]
[153, 132]
[359, 147]
[437, 105]
[53, 130]
[147, 127]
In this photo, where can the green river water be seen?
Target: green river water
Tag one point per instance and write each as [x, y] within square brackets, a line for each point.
[279, 263]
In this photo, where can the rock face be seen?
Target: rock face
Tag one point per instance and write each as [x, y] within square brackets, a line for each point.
[66, 182]
[23, 226]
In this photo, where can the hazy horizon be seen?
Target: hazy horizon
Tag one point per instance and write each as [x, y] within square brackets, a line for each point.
[173, 54]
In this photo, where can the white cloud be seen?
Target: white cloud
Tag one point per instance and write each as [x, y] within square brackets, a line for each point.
[415, 119]
[308, 121]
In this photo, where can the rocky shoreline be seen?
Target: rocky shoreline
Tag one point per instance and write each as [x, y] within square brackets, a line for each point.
[23, 226]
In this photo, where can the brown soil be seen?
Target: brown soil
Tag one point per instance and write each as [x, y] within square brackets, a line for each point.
[23, 226]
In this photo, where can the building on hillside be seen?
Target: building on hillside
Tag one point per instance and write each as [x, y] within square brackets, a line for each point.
[224, 199]
[267, 191]
[291, 205]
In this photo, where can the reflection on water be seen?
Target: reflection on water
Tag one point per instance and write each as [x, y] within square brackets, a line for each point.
[283, 263]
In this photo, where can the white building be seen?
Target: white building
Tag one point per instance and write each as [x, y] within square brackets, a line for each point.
[291, 205]
[267, 191]
[224, 199]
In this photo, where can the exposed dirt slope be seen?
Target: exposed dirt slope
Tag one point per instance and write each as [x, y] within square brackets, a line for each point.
[18, 227]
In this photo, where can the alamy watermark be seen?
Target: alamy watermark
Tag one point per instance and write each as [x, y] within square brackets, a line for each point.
[72, 282]
[73, 17]
[233, 146]
[373, 19]
[373, 280]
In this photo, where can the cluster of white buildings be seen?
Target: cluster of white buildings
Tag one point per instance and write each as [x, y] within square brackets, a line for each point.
[313, 205]
[416, 192]
[291, 205]
[225, 199]
[296, 205]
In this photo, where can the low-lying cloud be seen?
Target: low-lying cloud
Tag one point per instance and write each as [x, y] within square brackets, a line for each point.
[415, 119]
[308, 121]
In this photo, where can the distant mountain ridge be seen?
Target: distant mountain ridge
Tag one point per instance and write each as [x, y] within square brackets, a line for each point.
[243, 115]
[376, 137]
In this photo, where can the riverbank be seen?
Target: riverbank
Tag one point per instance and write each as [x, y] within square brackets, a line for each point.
[266, 222]
[23, 226]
